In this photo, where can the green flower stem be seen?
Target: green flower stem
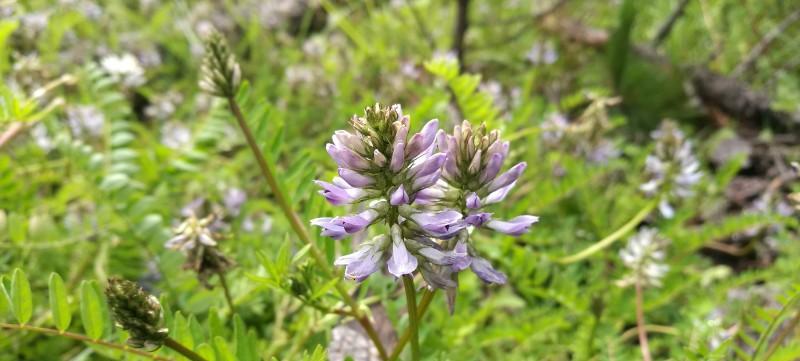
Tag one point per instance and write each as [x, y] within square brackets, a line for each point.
[226, 290]
[413, 320]
[427, 297]
[299, 228]
[181, 349]
[84, 338]
[643, 344]
[611, 238]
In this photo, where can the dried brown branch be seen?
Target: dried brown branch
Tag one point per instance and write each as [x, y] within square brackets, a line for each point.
[763, 45]
[669, 24]
[460, 31]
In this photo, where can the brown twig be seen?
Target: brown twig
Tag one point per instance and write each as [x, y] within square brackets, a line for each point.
[460, 31]
[84, 338]
[761, 47]
[666, 28]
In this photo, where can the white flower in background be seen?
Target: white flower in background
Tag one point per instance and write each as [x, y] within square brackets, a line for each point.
[41, 137]
[542, 54]
[85, 120]
[554, 127]
[125, 68]
[175, 135]
[644, 255]
[672, 169]
[163, 106]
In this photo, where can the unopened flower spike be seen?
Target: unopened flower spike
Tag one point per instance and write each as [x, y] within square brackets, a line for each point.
[220, 73]
[137, 312]
[672, 169]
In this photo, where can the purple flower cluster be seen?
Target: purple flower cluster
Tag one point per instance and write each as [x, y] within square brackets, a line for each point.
[428, 188]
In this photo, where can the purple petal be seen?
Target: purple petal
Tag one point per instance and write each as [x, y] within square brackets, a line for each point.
[378, 158]
[428, 166]
[348, 140]
[473, 201]
[485, 272]
[422, 140]
[329, 227]
[399, 196]
[478, 219]
[425, 182]
[515, 226]
[475, 165]
[459, 258]
[428, 195]
[398, 157]
[355, 178]
[401, 262]
[336, 195]
[364, 262]
[508, 177]
[499, 194]
[401, 131]
[492, 167]
[442, 224]
[346, 158]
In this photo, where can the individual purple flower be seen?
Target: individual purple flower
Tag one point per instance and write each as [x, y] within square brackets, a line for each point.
[441, 225]
[515, 226]
[401, 262]
[366, 260]
[399, 196]
[337, 195]
[485, 272]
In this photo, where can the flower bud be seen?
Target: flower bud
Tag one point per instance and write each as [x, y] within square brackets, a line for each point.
[137, 312]
[220, 73]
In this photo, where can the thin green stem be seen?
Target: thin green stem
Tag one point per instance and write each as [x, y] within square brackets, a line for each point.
[84, 338]
[413, 321]
[299, 228]
[181, 349]
[424, 302]
[226, 290]
[782, 336]
[643, 344]
[611, 238]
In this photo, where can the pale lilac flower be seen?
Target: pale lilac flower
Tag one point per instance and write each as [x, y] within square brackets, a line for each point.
[672, 170]
[515, 227]
[234, 199]
[644, 255]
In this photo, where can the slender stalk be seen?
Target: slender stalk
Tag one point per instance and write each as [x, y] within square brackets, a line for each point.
[181, 349]
[413, 320]
[299, 228]
[427, 297]
[611, 238]
[640, 323]
[782, 336]
[227, 291]
[84, 338]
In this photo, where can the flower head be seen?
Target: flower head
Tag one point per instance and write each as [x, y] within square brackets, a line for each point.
[196, 238]
[672, 170]
[644, 255]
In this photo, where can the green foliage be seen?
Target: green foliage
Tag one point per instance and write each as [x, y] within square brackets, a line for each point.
[59, 305]
[94, 322]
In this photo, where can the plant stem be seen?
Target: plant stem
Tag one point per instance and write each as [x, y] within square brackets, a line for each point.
[413, 320]
[84, 338]
[782, 336]
[427, 297]
[181, 349]
[640, 322]
[611, 238]
[299, 228]
[226, 290]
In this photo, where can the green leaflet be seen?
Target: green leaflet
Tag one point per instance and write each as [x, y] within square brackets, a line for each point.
[91, 310]
[59, 305]
[21, 299]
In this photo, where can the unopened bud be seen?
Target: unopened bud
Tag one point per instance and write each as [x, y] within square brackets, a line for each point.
[137, 312]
